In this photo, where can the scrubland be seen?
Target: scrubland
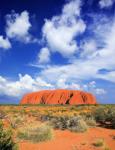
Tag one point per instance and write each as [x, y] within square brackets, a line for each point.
[64, 127]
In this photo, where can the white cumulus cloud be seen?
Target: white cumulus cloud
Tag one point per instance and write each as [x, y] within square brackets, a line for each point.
[88, 68]
[44, 55]
[23, 85]
[92, 87]
[4, 43]
[60, 32]
[26, 84]
[89, 47]
[18, 26]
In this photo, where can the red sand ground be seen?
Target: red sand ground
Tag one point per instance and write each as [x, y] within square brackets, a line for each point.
[66, 140]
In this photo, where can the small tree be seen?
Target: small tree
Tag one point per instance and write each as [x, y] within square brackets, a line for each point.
[6, 141]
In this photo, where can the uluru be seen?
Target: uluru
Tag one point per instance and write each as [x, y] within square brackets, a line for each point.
[59, 96]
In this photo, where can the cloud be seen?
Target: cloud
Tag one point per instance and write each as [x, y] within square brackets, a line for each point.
[89, 87]
[64, 84]
[110, 76]
[96, 58]
[60, 32]
[42, 83]
[4, 43]
[92, 87]
[18, 26]
[25, 84]
[44, 56]
[61, 83]
[106, 3]
[100, 91]
[88, 48]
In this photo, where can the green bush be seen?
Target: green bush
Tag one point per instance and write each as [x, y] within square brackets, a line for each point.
[36, 133]
[105, 114]
[76, 123]
[60, 122]
[100, 114]
[6, 141]
[99, 143]
[111, 116]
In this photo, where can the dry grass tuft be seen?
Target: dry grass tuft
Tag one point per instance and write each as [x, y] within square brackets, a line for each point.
[35, 133]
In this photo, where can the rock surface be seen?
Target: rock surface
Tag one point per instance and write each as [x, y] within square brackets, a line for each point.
[72, 97]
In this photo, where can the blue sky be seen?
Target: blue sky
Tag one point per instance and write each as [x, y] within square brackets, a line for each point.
[66, 44]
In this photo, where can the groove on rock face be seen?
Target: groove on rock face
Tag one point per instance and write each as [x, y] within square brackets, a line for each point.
[71, 95]
[84, 97]
[42, 101]
[61, 97]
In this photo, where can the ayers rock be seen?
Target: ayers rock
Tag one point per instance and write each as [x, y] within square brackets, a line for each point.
[60, 96]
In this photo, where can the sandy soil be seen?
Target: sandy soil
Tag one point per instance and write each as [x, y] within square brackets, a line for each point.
[66, 140]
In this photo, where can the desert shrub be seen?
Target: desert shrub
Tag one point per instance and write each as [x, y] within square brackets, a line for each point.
[99, 143]
[111, 116]
[16, 121]
[33, 113]
[86, 115]
[77, 124]
[60, 122]
[45, 118]
[100, 114]
[2, 114]
[6, 141]
[36, 133]
[105, 114]
[89, 119]
[90, 122]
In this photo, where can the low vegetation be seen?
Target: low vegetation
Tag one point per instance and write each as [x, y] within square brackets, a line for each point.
[99, 143]
[105, 115]
[36, 133]
[17, 121]
[2, 114]
[91, 122]
[35, 123]
[6, 140]
[76, 123]
[106, 148]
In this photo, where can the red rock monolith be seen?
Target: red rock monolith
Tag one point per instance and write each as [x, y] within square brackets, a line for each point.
[60, 96]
